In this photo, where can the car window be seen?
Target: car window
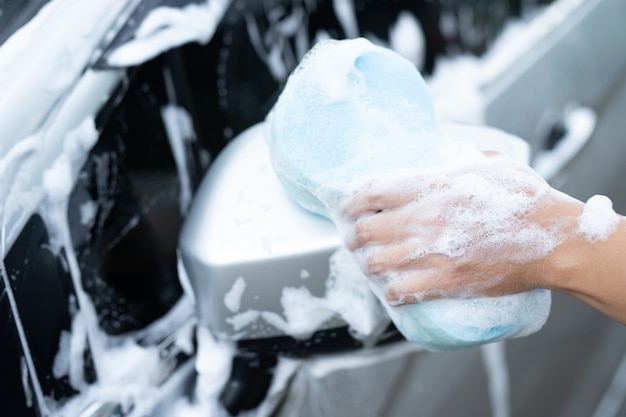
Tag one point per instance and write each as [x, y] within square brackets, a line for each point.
[15, 13]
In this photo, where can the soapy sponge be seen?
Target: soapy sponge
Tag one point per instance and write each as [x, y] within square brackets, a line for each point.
[349, 110]
[352, 112]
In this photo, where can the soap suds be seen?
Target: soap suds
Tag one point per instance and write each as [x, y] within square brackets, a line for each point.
[88, 211]
[61, 364]
[50, 197]
[20, 40]
[168, 27]
[498, 381]
[213, 362]
[115, 359]
[129, 374]
[243, 319]
[598, 219]
[456, 89]
[272, 45]
[180, 131]
[344, 10]
[347, 296]
[500, 199]
[28, 393]
[232, 299]
[21, 199]
[59, 179]
[407, 38]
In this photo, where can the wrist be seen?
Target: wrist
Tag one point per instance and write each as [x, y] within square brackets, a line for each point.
[591, 271]
[560, 213]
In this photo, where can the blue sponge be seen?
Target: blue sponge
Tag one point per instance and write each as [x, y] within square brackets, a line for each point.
[330, 127]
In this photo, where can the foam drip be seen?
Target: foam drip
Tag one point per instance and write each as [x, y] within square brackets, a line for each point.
[598, 219]
[494, 358]
[347, 297]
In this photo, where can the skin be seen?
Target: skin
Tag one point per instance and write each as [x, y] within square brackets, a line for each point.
[384, 227]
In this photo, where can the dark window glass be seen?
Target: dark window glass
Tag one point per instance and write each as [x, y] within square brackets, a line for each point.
[45, 300]
[126, 247]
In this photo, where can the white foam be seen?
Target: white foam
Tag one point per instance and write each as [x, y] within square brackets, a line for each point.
[303, 312]
[61, 364]
[128, 374]
[598, 219]
[76, 350]
[115, 369]
[456, 90]
[88, 211]
[58, 180]
[349, 293]
[500, 197]
[51, 196]
[277, 55]
[324, 77]
[21, 199]
[19, 40]
[28, 393]
[179, 127]
[407, 38]
[232, 299]
[498, 382]
[116, 360]
[168, 27]
[347, 297]
[344, 11]
[213, 364]
[243, 319]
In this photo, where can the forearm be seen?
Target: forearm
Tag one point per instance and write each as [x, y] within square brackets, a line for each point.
[594, 273]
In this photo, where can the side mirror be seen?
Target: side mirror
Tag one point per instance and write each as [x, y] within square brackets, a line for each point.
[244, 240]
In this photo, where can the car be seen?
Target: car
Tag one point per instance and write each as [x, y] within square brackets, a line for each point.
[114, 113]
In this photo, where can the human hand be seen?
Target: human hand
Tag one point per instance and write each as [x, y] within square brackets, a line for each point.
[463, 231]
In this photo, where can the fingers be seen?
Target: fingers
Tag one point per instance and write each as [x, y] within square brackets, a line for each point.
[437, 276]
[425, 283]
[418, 284]
[405, 268]
[386, 261]
[390, 227]
[377, 196]
[385, 227]
[417, 291]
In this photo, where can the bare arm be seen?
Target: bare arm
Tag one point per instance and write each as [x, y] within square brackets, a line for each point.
[594, 273]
